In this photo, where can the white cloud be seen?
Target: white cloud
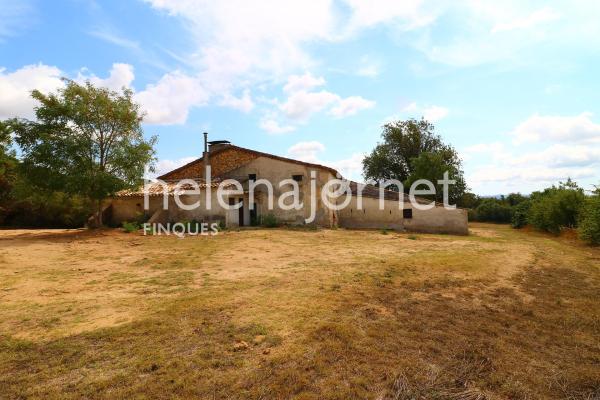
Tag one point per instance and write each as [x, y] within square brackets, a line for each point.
[302, 83]
[349, 168]
[412, 107]
[435, 113]
[306, 151]
[273, 127]
[244, 103]
[579, 128]
[261, 39]
[489, 32]
[540, 16]
[431, 113]
[407, 14]
[166, 165]
[350, 106]
[169, 100]
[540, 176]
[16, 87]
[121, 75]
[369, 67]
[301, 105]
[533, 170]
[560, 156]
[494, 150]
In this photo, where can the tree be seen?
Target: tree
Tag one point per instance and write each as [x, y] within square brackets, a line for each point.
[85, 140]
[493, 210]
[404, 142]
[432, 166]
[8, 169]
[589, 219]
[520, 211]
[556, 207]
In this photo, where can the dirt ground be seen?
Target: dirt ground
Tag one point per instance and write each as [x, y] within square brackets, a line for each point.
[284, 313]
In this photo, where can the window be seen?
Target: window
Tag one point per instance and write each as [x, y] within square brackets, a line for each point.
[297, 178]
[252, 177]
[231, 201]
[407, 213]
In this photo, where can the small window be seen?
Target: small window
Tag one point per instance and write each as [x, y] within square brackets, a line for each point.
[231, 201]
[407, 213]
[297, 178]
[252, 177]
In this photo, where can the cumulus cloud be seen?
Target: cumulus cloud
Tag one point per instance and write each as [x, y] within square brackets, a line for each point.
[16, 87]
[431, 113]
[351, 167]
[310, 151]
[306, 151]
[578, 128]
[302, 83]
[572, 151]
[540, 16]
[121, 75]
[301, 105]
[169, 100]
[243, 103]
[350, 106]
[273, 127]
[165, 165]
[435, 113]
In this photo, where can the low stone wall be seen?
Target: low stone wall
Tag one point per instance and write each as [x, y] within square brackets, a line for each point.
[369, 216]
[438, 220]
[435, 220]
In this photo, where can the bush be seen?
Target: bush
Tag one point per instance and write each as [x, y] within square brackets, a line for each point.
[270, 221]
[36, 208]
[493, 210]
[519, 216]
[556, 207]
[589, 221]
[130, 227]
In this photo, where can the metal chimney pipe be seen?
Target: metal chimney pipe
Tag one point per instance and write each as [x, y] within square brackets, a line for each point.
[205, 154]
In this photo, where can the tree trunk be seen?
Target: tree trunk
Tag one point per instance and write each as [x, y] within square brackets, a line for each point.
[99, 215]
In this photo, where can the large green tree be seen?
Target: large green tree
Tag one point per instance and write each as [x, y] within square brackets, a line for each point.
[403, 142]
[85, 140]
[398, 156]
[432, 167]
[8, 166]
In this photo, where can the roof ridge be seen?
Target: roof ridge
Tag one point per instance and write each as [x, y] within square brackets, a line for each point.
[256, 152]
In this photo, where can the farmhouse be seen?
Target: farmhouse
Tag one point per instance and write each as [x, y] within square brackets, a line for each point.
[225, 162]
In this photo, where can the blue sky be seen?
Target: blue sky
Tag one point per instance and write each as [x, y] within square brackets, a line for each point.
[513, 85]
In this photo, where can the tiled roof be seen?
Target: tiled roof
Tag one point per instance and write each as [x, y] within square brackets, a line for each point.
[169, 188]
[373, 192]
[235, 162]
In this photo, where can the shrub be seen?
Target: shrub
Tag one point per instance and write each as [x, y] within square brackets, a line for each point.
[589, 221]
[493, 210]
[519, 216]
[35, 208]
[270, 221]
[556, 207]
[130, 227]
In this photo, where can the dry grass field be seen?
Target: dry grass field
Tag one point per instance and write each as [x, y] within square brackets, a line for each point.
[277, 314]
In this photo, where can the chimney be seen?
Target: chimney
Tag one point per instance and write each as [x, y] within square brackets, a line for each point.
[205, 154]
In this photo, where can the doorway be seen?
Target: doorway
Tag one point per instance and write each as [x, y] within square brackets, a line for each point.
[241, 213]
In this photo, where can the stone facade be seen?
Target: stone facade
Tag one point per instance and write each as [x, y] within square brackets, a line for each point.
[244, 165]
